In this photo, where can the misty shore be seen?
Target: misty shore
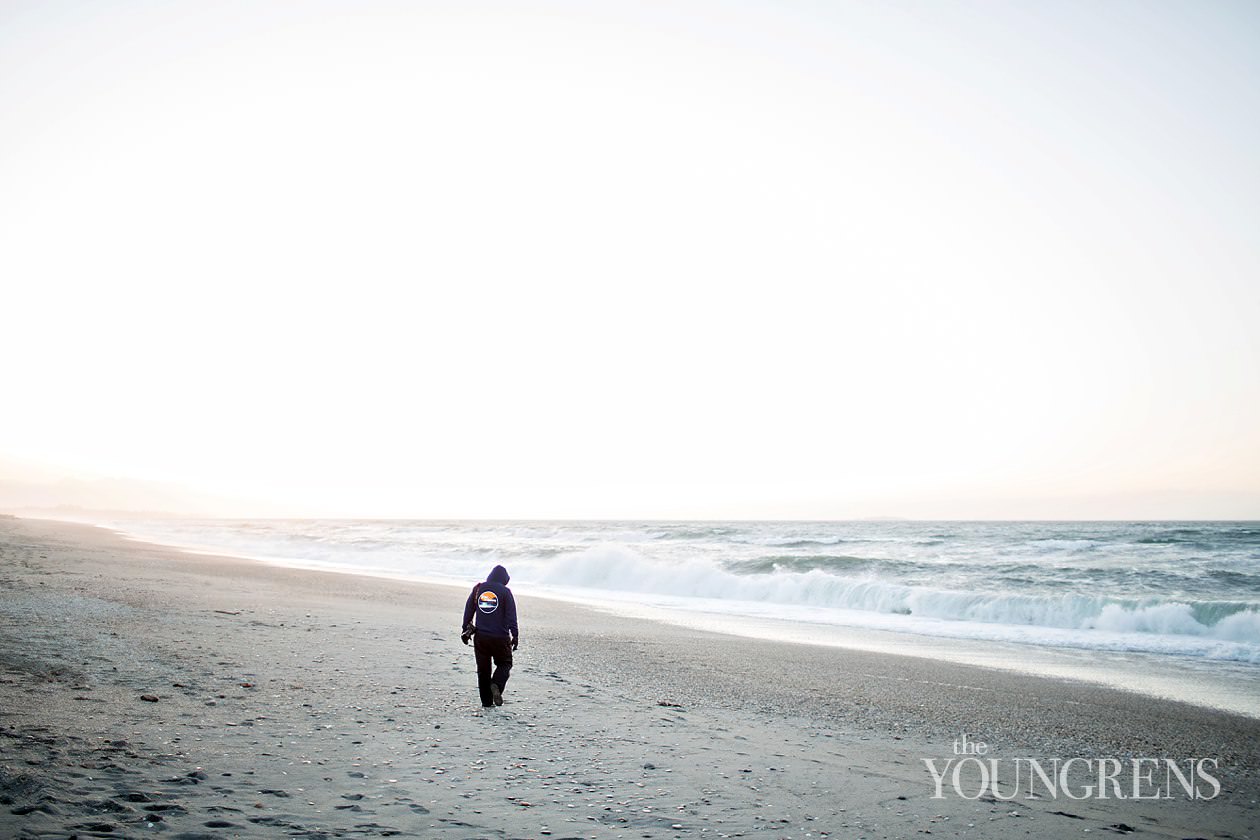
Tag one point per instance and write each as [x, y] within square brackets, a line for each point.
[285, 702]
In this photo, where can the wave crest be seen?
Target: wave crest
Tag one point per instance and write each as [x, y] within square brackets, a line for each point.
[619, 568]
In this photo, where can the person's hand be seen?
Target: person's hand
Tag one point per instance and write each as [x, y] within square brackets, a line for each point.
[515, 641]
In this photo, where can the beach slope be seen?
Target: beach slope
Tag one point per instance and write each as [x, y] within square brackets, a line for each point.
[145, 691]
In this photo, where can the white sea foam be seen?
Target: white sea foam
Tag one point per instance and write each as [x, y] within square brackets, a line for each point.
[1092, 586]
[826, 598]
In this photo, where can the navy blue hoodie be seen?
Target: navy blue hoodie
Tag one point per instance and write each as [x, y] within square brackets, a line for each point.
[493, 605]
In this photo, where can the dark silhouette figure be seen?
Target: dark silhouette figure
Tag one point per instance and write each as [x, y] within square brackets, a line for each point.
[490, 620]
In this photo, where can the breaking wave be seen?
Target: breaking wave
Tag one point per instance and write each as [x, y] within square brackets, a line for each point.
[1186, 589]
[1183, 626]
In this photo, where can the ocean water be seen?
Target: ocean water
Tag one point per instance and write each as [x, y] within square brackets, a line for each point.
[1184, 596]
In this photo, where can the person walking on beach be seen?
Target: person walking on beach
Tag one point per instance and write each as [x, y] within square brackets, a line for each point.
[493, 632]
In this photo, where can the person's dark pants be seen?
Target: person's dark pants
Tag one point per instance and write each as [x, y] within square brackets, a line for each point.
[496, 650]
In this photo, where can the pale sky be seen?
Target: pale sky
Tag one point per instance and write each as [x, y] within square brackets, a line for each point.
[676, 259]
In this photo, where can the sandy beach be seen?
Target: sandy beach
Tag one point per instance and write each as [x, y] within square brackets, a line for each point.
[149, 692]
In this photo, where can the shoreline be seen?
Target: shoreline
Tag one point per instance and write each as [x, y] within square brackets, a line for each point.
[291, 679]
[1171, 677]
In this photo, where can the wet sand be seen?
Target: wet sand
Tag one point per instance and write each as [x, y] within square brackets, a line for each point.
[291, 703]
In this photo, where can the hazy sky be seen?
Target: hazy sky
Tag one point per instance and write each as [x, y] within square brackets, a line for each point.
[803, 259]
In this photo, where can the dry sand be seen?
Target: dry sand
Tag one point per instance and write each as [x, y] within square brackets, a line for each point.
[306, 704]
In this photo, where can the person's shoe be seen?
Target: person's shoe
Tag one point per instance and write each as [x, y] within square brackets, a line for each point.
[497, 694]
